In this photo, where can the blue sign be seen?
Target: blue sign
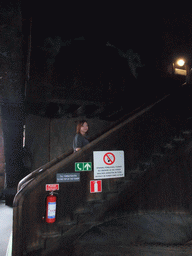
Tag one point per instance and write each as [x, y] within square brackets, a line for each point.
[68, 177]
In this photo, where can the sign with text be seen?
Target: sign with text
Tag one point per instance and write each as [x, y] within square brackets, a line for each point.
[108, 164]
[68, 177]
[51, 187]
[80, 167]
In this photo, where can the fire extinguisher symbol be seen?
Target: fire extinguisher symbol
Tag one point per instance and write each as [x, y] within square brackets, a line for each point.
[95, 186]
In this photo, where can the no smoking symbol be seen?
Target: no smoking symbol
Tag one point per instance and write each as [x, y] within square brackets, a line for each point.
[109, 158]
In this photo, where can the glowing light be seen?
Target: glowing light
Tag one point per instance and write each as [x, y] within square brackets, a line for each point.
[180, 62]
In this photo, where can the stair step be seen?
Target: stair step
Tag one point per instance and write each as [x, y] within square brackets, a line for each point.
[94, 202]
[178, 139]
[143, 166]
[156, 157]
[123, 183]
[110, 195]
[82, 210]
[134, 175]
[168, 147]
[187, 134]
[126, 184]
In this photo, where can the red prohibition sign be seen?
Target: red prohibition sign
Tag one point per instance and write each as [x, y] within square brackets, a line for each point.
[109, 158]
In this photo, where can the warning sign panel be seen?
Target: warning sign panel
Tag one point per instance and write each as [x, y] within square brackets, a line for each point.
[95, 186]
[108, 164]
[51, 187]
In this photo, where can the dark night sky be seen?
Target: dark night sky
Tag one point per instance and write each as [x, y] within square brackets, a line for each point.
[157, 35]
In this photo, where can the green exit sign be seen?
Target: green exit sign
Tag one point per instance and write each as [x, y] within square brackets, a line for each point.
[80, 167]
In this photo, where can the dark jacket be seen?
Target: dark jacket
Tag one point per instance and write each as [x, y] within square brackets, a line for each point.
[79, 141]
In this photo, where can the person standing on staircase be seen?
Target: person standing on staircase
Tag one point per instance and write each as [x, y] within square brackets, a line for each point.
[80, 139]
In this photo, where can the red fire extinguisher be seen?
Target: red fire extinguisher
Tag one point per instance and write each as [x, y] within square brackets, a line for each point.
[51, 208]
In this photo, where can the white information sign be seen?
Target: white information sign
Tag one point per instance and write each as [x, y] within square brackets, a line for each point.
[108, 164]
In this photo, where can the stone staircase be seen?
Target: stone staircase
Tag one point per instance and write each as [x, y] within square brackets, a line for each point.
[117, 199]
[116, 187]
[128, 186]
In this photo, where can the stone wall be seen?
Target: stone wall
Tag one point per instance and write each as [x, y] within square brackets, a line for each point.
[47, 138]
[2, 160]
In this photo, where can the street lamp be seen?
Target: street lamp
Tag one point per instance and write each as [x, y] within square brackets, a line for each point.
[181, 62]
[180, 67]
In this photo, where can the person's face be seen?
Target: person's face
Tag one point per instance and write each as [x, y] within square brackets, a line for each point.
[84, 128]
